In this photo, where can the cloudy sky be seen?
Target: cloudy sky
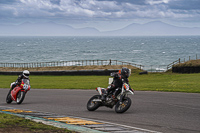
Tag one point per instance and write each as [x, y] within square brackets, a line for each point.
[101, 14]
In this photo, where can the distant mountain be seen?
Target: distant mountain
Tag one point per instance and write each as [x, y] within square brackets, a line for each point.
[154, 28]
[50, 28]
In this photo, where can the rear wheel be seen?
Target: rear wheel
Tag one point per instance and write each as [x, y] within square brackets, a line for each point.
[121, 108]
[20, 97]
[93, 105]
[8, 98]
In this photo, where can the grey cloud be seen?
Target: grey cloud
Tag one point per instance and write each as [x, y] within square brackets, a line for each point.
[99, 9]
[136, 2]
[185, 5]
[57, 2]
[8, 1]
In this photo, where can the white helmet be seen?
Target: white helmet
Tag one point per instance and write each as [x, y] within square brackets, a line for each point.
[26, 73]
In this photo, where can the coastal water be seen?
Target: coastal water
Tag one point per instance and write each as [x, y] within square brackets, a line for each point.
[147, 51]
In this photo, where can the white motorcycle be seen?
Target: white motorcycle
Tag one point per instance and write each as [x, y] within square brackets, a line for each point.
[119, 98]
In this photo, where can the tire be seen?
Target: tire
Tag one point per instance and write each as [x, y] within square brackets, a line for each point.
[92, 106]
[8, 98]
[20, 97]
[126, 103]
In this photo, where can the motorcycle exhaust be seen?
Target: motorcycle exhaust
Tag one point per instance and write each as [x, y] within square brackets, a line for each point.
[97, 100]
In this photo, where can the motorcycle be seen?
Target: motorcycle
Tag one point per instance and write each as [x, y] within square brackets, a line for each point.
[18, 93]
[119, 98]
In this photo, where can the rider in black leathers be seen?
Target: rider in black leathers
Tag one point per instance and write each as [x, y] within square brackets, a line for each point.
[119, 78]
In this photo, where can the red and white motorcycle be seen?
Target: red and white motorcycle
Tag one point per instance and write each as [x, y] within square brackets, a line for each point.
[119, 98]
[19, 92]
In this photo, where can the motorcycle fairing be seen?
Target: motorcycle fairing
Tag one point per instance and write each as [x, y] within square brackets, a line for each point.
[14, 93]
[101, 90]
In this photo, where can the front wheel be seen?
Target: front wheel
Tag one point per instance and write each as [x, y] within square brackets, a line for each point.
[121, 108]
[20, 97]
[8, 98]
[93, 105]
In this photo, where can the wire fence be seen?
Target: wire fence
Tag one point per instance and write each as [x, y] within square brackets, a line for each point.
[182, 61]
[150, 68]
[68, 63]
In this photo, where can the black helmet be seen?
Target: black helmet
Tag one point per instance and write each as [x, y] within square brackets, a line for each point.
[125, 72]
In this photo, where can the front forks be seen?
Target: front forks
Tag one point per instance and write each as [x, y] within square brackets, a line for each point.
[121, 99]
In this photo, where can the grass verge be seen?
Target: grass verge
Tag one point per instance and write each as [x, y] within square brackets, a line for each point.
[150, 82]
[10, 124]
[191, 63]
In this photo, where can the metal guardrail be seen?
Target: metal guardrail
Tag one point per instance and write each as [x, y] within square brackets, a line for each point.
[68, 72]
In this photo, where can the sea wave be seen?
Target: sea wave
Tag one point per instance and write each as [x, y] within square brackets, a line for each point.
[141, 50]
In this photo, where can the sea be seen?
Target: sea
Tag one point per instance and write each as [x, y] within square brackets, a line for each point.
[150, 51]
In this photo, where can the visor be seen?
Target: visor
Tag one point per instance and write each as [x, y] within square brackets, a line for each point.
[26, 74]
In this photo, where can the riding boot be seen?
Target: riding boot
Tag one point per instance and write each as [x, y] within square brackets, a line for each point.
[103, 97]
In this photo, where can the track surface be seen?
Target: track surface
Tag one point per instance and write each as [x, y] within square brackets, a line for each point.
[159, 111]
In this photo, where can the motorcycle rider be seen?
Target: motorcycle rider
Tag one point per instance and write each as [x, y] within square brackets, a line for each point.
[25, 75]
[119, 78]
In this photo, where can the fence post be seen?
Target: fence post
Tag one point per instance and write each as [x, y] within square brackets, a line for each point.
[110, 62]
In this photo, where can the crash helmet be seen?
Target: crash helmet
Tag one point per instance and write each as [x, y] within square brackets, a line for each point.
[26, 73]
[125, 72]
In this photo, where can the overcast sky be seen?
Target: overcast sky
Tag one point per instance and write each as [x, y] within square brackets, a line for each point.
[101, 14]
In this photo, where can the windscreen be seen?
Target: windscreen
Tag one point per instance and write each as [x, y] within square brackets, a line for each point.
[26, 81]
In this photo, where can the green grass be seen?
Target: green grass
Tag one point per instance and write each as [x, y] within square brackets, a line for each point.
[167, 82]
[191, 63]
[20, 125]
[59, 82]
[150, 82]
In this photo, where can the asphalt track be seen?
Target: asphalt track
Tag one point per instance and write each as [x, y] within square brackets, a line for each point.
[158, 111]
